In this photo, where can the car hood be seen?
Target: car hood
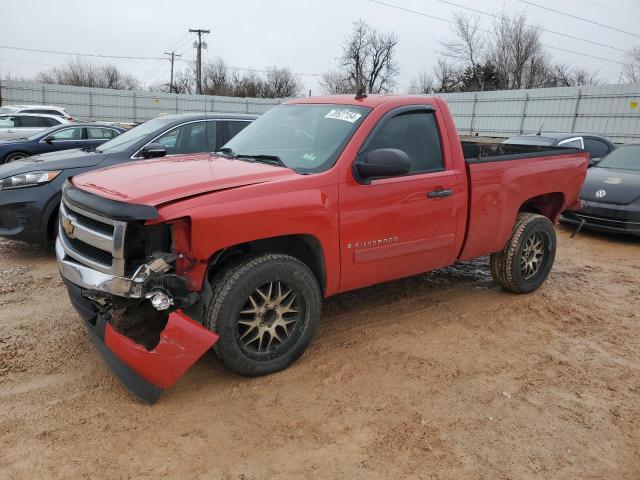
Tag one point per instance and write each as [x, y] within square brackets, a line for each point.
[53, 161]
[610, 185]
[159, 181]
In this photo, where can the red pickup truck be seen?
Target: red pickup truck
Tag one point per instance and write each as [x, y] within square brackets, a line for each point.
[168, 257]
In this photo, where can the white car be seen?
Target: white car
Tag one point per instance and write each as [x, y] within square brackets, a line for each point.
[20, 125]
[39, 109]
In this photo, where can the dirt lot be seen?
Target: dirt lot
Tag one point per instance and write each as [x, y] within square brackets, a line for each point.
[437, 376]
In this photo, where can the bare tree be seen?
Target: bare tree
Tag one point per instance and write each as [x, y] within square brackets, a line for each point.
[517, 52]
[280, 82]
[467, 45]
[83, 73]
[447, 77]
[217, 78]
[562, 75]
[422, 84]
[631, 69]
[367, 62]
[335, 83]
[185, 81]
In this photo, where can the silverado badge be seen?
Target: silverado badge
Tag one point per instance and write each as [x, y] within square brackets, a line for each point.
[68, 227]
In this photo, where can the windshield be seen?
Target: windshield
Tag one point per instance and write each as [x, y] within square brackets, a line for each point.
[626, 157]
[530, 140]
[126, 140]
[307, 138]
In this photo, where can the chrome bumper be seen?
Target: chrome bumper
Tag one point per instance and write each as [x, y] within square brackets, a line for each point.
[90, 279]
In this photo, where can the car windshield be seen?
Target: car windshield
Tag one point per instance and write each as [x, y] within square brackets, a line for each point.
[530, 140]
[129, 138]
[305, 137]
[626, 157]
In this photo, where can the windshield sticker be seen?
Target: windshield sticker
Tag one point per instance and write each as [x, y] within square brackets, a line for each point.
[343, 114]
[309, 157]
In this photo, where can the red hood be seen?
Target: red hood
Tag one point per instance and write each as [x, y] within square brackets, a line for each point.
[158, 181]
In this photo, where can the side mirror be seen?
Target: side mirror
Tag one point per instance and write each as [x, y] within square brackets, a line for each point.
[48, 139]
[383, 162]
[153, 150]
[593, 161]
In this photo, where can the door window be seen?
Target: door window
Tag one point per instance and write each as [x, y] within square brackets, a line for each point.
[188, 138]
[67, 134]
[572, 143]
[234, 128]
[32, 122]
[597, 148]
[96, 133]
[416, 134]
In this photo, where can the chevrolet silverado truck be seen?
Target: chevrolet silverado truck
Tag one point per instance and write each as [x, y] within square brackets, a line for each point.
[167, 258]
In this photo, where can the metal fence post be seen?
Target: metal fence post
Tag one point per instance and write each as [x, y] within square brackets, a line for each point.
[91, 105]
[177, 104]
[247, 105]
[473, 113]
[575, 111]
[524, 112]
[44, 95]
[135, 108]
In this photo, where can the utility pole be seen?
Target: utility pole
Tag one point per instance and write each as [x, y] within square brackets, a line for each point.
[173, 56]
[199, 45]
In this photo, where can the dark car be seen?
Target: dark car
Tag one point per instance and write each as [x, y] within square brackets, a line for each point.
[30, 188]
[62, 137]
[610, 196]
[597, 146]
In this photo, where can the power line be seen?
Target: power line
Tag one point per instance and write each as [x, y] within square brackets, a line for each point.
[579, 18]
[493, 15]
[57, 52]
[609, 7]
[487, 31]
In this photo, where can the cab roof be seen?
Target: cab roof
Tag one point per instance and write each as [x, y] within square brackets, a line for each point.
[370, 101]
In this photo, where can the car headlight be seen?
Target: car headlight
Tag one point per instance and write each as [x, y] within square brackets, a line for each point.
[29, 179]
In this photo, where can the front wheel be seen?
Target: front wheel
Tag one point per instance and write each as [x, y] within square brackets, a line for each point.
[266, 311]
[14, 157]
[525, 262]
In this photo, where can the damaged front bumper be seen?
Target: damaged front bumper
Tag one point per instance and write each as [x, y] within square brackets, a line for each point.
[145, 369]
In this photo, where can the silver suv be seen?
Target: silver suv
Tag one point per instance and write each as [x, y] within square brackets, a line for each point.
[20, 125]
[39, 109]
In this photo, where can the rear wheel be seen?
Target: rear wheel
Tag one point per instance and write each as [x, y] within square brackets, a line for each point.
[265, 310]
[15, 157]
[525, 262]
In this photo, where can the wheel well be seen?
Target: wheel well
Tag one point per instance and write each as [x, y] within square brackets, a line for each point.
[305, 248]
[548, 205]
[52, 223]
[11, 153]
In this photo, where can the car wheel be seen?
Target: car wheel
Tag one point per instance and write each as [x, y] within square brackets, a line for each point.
[524, 264]
[15, 156]
[266, 310]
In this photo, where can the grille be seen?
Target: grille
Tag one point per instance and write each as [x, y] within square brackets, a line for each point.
[96, 225]
[90, 251]
[92, 240]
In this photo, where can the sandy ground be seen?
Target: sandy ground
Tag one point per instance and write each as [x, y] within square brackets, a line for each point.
[441, 375]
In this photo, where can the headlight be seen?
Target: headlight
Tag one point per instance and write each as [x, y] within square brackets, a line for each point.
[27, 180]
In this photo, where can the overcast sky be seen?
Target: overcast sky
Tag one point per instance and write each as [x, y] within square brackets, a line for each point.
[304, 35]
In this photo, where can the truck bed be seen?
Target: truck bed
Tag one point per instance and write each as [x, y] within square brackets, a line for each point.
[475, 152]
[502, 180]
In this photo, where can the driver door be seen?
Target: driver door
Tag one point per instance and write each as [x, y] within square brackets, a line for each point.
[400, 226]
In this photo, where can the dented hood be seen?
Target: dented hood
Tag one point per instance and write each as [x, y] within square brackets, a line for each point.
[159, 181]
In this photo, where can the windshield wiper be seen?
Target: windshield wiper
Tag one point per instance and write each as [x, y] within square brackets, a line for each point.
[226, 151]
[269, 159]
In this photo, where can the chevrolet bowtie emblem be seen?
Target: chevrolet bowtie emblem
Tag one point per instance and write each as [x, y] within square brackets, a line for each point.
[68, 227]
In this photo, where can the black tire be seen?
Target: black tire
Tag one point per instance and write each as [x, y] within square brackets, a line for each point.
[228, 316]
[12, 157]
[515, 268]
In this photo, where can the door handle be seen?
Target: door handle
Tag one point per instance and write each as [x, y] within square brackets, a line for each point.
[440, 193]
